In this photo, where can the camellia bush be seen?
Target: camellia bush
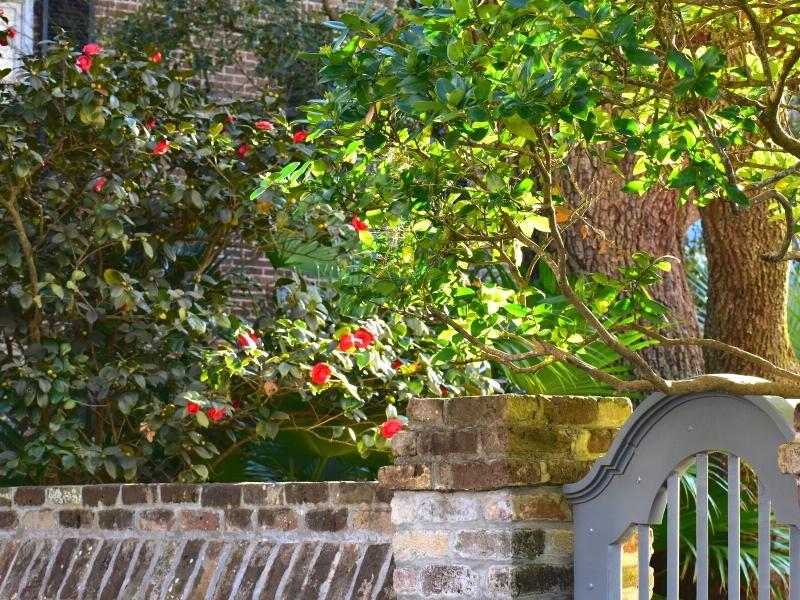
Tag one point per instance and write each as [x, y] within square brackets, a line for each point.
[123, 355]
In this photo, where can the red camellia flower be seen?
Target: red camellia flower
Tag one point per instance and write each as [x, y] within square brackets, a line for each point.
[397, 363]
[300, 136]
[161, 148]
[99, 185]
[3, 41]
[248, 340]
[443, 390]
[358, 224]
[216, 414]
[230, 119]
[264, 125]
[151, 124]
[242, 151]
[192, 408]
[320, 373]
[346, 342]
[363, 338]
[11, 33]
[91, 49]
[391, 428]
[156, 57]
[84, 63]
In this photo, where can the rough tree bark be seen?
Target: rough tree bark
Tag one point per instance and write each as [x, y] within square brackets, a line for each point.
[621, 224]
[747, 298]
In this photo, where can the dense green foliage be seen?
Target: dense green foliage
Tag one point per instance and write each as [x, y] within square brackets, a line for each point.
[122, 354]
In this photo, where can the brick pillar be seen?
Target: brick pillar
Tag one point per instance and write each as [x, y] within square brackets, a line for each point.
[478, 506]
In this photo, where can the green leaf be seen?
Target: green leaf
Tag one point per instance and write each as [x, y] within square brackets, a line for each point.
[642, 58]
[113, 277]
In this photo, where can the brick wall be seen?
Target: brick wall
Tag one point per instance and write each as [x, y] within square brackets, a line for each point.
[478, 506]
[220, 541]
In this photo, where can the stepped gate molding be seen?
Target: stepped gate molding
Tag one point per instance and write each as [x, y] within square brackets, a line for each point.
[628, 490]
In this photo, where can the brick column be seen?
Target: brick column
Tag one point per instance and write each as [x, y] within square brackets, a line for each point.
[478, 507]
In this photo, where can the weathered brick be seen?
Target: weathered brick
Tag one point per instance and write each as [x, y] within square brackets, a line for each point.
[559, 471]
[76, 518]
[349, 493]
[29, 496]
[83, 555]
[264, 494]
[139, 494]
[319, 571]
[184, 567]
[483, 544]
[276, 572]
[37, 570]
[208, 566]
[449, 580]
[404, 509]
[442, 443]
[600, 440]
[560, 541]
[100, 495]
[404, 444]
[368, 577]
[117, 518]
[221, 495]
[525, 440]
[405, 477]
[63, 496]
[613, 412]
[326, 519]
[6, 495]
[379, 520]
[163, 562]
[527, 544]
[8, 519]
[113, 587]
[238, 519]
[61, 563]
[255, 567]
[405, 581]
[306, 493]
[571, 410]
[530, 579]
[18, 569]
[488, 475]
[299, 570]
[179, 493]
[541, 506]
[282, 519]
[498, 507]
[789, 458]
[425, 411]
[414, 545]
[39, 520]
[94, 580]
[343, 575]
[480, 410]
[199, 520]
[156, 519]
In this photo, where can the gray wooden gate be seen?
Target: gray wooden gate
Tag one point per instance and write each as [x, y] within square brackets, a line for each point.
[628, 490]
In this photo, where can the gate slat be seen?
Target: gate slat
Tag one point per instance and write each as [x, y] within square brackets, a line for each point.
[734, 524]
[644, 562]
[794, 563]
[673, 534]
[615, 572]
[763, 543]
[701, 526]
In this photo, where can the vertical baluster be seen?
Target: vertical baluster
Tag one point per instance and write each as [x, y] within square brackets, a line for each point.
[763, 543]
[794, 563]
[644, 562]
[615, 572]
[673, 534]
[734, 523]
[702, 526]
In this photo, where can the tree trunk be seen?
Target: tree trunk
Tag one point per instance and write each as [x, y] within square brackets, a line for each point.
[747, 297]
[621, 224]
